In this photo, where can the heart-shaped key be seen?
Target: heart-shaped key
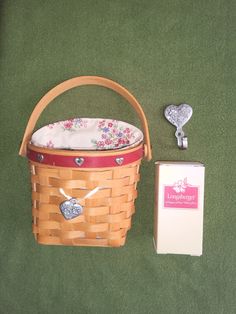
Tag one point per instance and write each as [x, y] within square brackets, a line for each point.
[179, 116]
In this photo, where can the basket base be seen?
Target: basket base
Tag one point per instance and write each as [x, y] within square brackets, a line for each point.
[81, 242]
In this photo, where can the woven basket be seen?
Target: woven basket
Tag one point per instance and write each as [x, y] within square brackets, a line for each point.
[106, 215]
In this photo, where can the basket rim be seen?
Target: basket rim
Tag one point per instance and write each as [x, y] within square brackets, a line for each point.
[80, 159]
[92, 153]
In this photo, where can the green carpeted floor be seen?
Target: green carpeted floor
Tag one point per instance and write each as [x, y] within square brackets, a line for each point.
[163, 51]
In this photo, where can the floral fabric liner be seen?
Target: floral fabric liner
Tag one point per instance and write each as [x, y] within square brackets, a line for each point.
[87, 134]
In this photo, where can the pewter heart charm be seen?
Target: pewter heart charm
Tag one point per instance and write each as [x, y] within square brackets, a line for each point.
[71, 208]
[79, 161]
[119, 160]
[178, 115]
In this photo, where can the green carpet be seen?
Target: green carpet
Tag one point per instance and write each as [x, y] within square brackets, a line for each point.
[163, 51]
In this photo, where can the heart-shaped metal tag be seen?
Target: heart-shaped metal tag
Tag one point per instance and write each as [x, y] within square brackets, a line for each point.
[71, 208]
[178, 115]
[119, 160]
[79, 161]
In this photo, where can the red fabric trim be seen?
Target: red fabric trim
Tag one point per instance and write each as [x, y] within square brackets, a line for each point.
[89, 162]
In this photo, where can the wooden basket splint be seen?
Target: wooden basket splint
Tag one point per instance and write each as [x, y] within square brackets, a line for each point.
[60, 176]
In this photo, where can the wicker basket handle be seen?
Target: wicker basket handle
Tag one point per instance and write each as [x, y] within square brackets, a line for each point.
[79, 81]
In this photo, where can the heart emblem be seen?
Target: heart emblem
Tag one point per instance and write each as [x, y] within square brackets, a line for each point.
[40, 157]
[79, 161]
[119, 160]
[178, 115]
[71, 208]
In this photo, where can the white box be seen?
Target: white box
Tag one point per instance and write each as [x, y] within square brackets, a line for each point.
[179, 199]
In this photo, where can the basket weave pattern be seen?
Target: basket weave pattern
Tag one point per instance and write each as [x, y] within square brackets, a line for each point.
[106, 215]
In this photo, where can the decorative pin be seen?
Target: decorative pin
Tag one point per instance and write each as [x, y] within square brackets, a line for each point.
[119, 160]
[79, 161]
[179, 116]
[71, 208]
[40, 157]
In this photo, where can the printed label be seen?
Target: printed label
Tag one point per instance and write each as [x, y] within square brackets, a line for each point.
[181, 195]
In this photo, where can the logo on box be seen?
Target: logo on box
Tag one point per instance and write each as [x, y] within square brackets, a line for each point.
[181, 195]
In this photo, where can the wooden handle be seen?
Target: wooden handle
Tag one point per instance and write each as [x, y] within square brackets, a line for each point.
[79, 81]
